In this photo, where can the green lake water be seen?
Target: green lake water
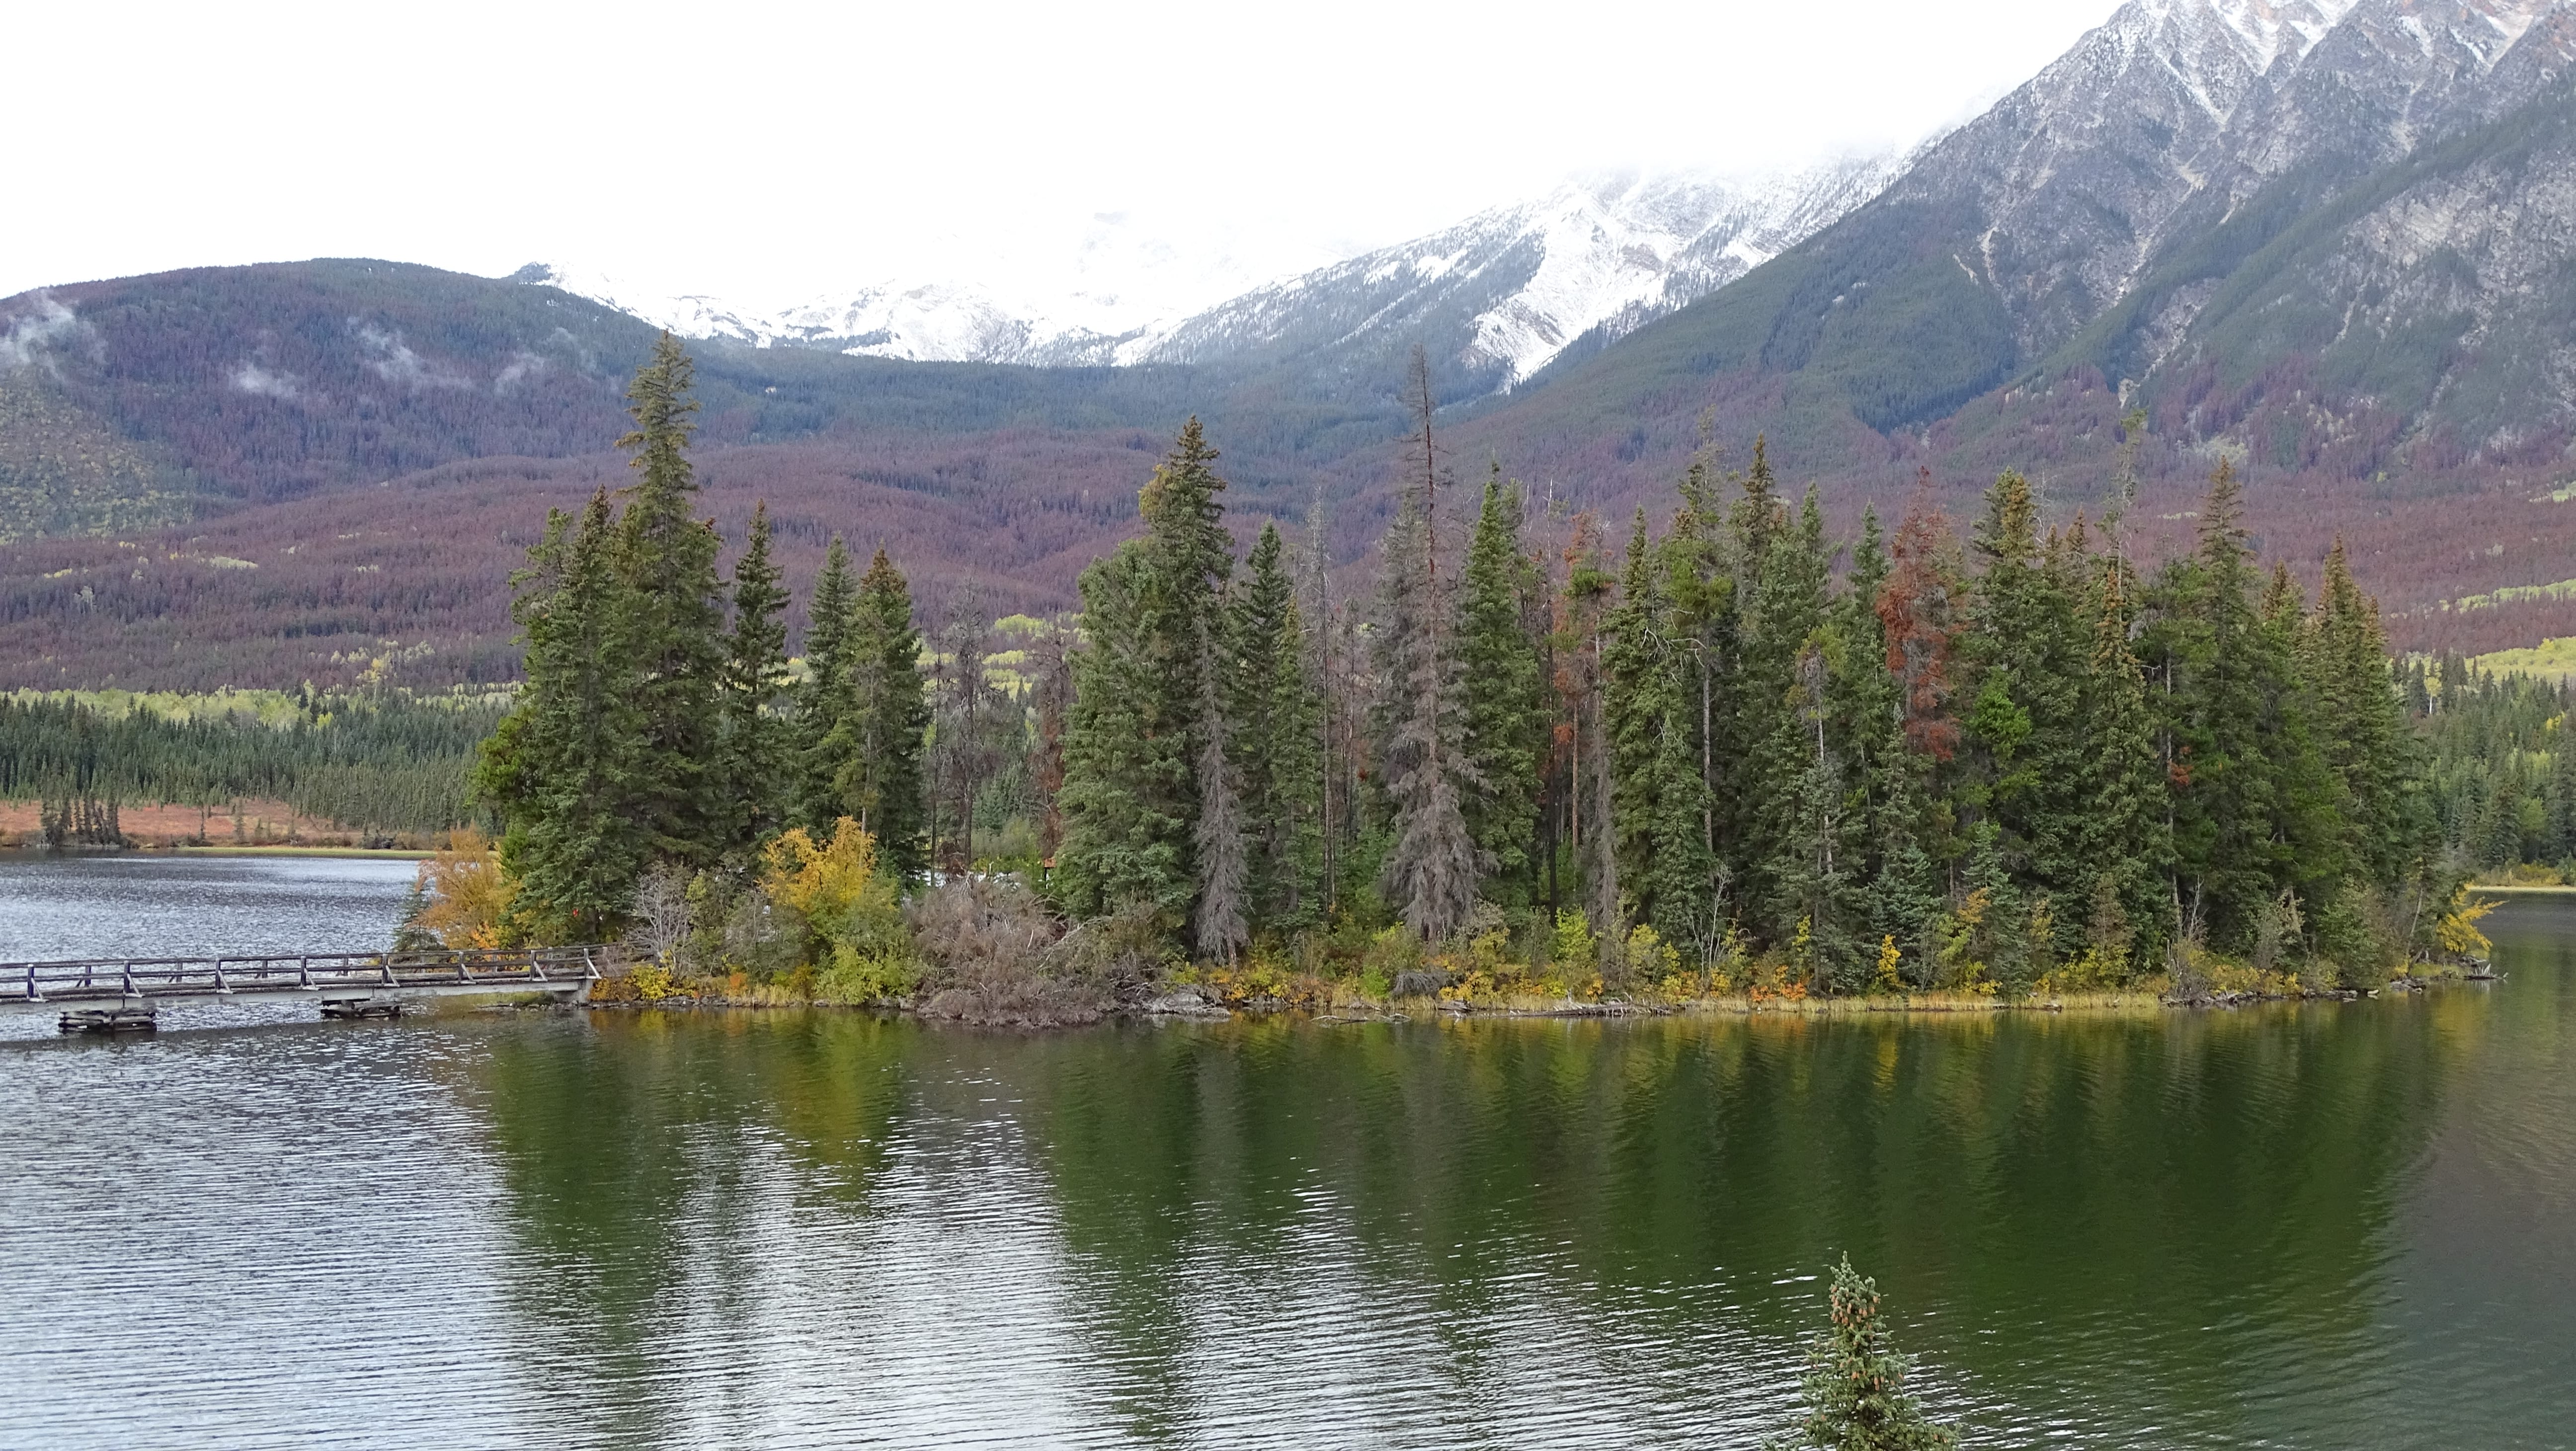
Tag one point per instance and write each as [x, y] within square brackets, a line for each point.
[2294, 1226]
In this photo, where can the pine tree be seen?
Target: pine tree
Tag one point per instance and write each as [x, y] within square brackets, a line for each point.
[1855, 1384]
[561, 766]
[2026, 653]
[1884, 897]
[1639, 705]
[2362, 729]
[1504, 701]
[1151, 612]
[672, 620]
[878, 746]
[1580, 760]
[1431, 867]
[1126, 801]
[1818, 903]
[1221, 912]
[2219, 697]
[823, 698]
[1275, 721]
[1787, 611]
[2122, 835]
[752, 772]
[1697, 810]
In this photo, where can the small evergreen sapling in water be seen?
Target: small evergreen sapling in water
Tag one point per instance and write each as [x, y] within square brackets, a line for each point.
[1854, 1383]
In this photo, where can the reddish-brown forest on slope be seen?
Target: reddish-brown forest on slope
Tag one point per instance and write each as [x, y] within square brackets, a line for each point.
[410, 579]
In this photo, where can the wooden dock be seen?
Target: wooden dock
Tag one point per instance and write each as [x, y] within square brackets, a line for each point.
[331, 977]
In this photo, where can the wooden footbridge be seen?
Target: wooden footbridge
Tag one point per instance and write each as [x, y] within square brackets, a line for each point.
[331, 978]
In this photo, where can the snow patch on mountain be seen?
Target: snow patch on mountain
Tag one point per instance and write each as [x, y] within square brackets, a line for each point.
[1070, 293]
[1511, 288]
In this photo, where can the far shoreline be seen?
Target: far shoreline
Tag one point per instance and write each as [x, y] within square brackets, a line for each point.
[390, 853]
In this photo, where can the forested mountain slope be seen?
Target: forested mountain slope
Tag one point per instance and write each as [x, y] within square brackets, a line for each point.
[2329, 239]
[251, 384]
[2327, 236]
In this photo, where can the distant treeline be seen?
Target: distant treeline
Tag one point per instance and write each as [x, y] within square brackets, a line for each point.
[390, 765]
[2504, 764]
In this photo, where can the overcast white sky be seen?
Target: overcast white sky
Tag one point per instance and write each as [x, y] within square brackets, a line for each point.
[768, 153]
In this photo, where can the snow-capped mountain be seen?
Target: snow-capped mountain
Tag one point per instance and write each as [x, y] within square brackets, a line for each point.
[2179, 120]
[2325, 234]
[1047, 295]
[1496, 297]
[1499, 296]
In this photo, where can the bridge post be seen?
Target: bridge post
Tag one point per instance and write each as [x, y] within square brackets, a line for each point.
[33, 996]
[304, 971]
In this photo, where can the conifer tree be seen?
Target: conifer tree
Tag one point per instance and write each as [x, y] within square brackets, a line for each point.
[1580, 761]
[1218, 836]
[1276, 722]
[1855, 1384]
[2025, 651]
[1638, 705]
[560, 768]
[1431, 867]
[1133, 765]
[823, 698]
[1126, 804]
[1818, 902]
[2211, 657]
[1504, 706]
[1885, 895]
[1787, 611]
[672, 620]
[2362, 730]
[877, 747]
[753, 781]
[1698, 775]
[2122, 831]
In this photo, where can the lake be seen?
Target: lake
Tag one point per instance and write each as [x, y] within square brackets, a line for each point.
[2292, 1226]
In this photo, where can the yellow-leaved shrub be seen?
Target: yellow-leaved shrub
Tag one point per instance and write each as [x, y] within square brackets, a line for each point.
[465, 895]
[851, 913]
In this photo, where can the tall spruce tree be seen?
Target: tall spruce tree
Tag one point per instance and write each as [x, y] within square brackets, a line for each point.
[753, 780]
[1126, 801]
[1788, 610]
[877, 747]
[1884, 895]
[1152, 615]
[823, 698]
[1276, 720]
[1692, 883]
[1639, 703]
[2121, 838]
[672, 621]
[560, 768]
[1431, 867]
[2362, 729]
[1222, 915]
[2025, 652]
[1504, 702]
[2216, 678]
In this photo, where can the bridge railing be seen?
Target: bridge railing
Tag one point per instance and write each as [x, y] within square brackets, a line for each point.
[191, 976]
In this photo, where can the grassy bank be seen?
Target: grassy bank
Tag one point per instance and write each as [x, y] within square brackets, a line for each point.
[1346, 1002]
